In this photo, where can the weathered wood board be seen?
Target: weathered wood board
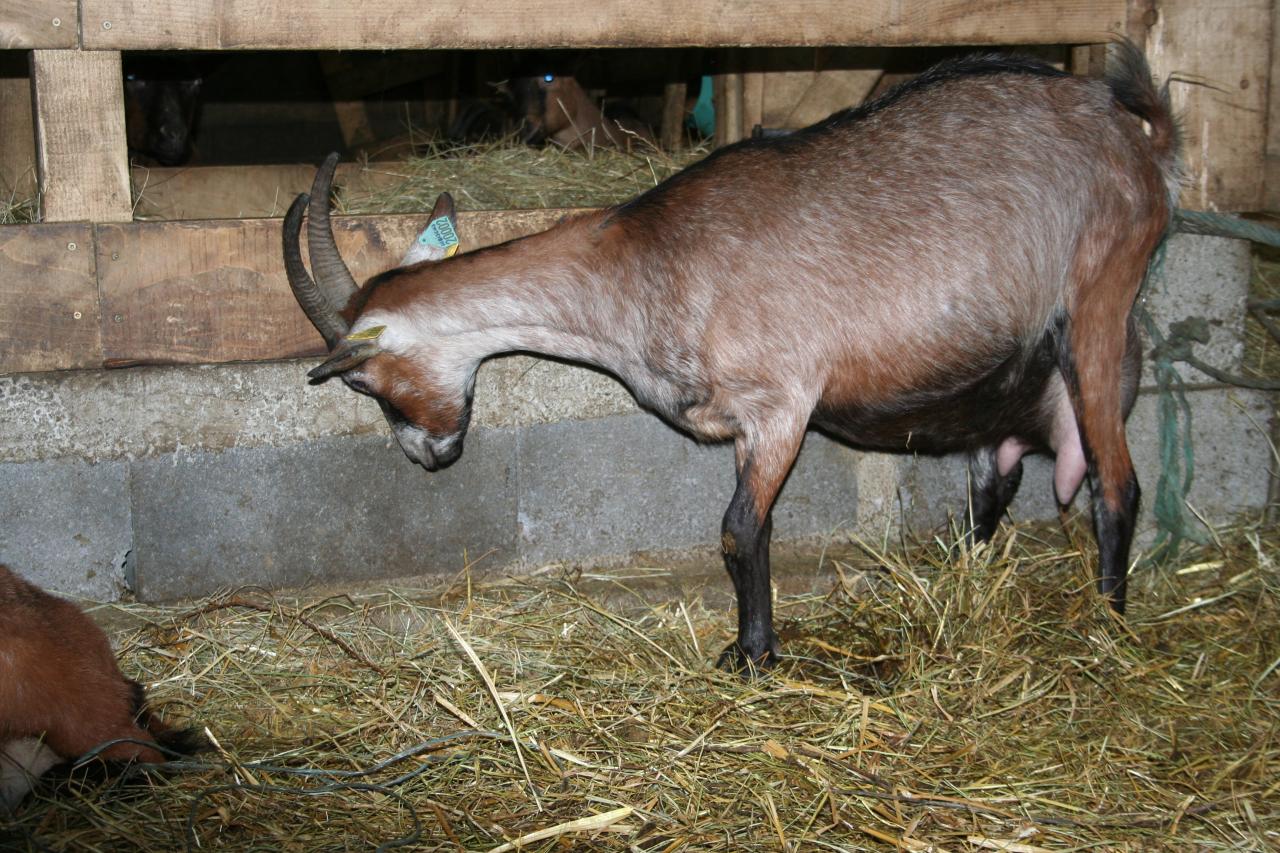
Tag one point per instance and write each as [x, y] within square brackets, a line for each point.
[1219, 54]
[209, 292]
[48, 298]
[81, 154]
[30, 24]
[399, 24]
[1272, 200]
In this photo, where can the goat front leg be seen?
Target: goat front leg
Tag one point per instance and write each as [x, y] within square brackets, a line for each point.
[748, 523]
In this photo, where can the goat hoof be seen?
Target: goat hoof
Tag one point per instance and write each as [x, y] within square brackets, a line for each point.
[748, 665]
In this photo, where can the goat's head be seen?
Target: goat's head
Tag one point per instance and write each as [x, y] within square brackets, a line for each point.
[372, 348]
[547, 103]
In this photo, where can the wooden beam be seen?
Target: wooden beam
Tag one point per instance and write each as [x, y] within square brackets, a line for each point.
[39, 24]
[211, 292]
[1272, 200]
[48, 298]
[81, 155]
[674, 96]
[401, 24]
[1219, 54]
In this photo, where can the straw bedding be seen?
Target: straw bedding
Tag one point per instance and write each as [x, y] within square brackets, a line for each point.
[933, 698]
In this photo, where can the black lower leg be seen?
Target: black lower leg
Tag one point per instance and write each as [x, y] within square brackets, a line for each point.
[990, 493]
[1113, 527]
[745, 542]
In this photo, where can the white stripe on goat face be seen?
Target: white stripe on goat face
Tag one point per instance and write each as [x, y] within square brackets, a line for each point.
[426, 407]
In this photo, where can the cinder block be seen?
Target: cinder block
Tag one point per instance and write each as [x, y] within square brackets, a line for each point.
[64, 525]
[622, 485]
[1233, 461]
[1233, 457]
[331, 510]
[519, 390]
[127, 414]
[1202, 277]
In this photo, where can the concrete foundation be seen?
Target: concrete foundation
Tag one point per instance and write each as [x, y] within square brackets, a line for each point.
[173, 482]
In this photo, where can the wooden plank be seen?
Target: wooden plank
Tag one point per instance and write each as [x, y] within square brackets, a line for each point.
[48, 299]
[1225, 48]
[17, 135]
[244, 192]
[38, 24]
[401, 24]
[81, 155]
[1272, 200]
[209, 292]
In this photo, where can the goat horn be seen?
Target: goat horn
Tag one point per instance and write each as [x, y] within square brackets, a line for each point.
[318, 309]
[327, 265]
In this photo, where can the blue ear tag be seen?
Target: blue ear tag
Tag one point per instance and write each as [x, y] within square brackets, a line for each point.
[437, 241]
[439, 234]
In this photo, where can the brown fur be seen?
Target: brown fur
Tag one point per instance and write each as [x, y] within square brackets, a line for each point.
[563, 113]
[949, 269]
[59, 680]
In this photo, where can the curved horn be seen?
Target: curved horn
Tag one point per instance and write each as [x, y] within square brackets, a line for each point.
[331, 273]
[318, 309]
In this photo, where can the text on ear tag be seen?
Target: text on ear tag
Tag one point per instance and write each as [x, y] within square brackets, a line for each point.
[440, 234]
[369, 334]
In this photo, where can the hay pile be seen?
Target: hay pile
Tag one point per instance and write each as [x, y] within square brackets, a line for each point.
[507, 174]
[932, 700]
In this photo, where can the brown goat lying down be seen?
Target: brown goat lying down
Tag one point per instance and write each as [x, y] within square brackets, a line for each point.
[62, 693]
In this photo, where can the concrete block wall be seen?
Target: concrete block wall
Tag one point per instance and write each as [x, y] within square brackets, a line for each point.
[175, 482]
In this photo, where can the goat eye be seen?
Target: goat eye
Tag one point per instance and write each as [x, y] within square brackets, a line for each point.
[547, 78]
[358, 385]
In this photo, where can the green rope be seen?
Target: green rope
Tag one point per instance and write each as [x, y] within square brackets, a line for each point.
[1175, 523]
[1223, 225]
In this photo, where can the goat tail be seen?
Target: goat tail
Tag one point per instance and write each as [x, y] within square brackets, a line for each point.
[1129, 77]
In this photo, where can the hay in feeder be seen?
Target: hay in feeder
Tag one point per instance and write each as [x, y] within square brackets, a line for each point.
[934, 698]
[507, 174]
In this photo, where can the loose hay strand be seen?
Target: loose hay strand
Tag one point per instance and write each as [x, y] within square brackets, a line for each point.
[898, 721]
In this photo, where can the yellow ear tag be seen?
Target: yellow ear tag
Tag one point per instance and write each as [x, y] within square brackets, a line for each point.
[370, 334]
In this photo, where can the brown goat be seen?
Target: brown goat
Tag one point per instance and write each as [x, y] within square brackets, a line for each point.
[948, 268]
[555, 108]
[62, 692]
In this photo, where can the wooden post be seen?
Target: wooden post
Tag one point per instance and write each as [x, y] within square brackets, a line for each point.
[1272, 200]
[752, 101]
[1219, 55]
[674, 96]
[727, 94]
[81, 156]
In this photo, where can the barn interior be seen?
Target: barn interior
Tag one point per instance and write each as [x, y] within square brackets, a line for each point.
[518, 653]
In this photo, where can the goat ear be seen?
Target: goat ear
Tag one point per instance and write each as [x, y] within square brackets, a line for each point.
[346, 355]
[439, 240]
